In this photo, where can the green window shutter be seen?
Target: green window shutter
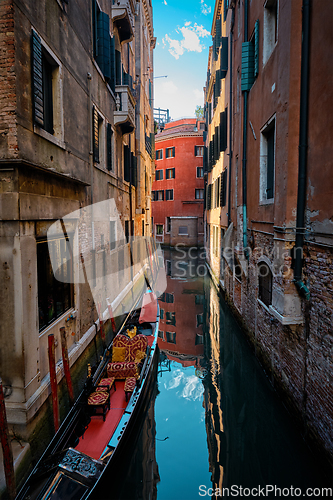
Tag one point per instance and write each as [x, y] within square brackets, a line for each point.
[95, 136]
[118, 67]
[173, 173]
[95, 11]
[256, 48]
[113, 64]
[109, 133]
[270, 137]
[103, 44]
[216, 144]
[135, 171]
[217, 37]
[152, 142]
[224, 57]
[225, 129]
[247, 66]
[127, 156]
[222, 133]
[204, 160]
[37, 79]
[173, 151]
[225, 9]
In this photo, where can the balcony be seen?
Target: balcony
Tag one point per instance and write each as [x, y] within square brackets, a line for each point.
[124, 116]
[123, 18]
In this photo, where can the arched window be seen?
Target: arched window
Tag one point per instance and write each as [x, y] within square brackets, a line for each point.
[265, 283]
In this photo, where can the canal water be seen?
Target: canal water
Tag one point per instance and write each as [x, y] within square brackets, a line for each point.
[214, 421]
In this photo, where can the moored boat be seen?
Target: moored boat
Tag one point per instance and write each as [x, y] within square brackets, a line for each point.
[93, 442]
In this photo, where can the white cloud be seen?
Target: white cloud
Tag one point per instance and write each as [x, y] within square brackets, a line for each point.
[190, 42]
[204, 8]
[165, 2]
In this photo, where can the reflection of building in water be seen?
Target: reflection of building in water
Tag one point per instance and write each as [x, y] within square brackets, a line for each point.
[250, 437]
[181, 310]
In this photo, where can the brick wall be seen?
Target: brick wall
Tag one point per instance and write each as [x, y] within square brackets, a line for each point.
[8, 130]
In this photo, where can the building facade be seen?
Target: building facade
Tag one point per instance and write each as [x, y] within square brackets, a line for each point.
[268, 228]
[178, 188]
[76, 129]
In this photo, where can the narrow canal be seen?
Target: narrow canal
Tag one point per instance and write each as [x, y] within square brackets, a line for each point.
[214, 420]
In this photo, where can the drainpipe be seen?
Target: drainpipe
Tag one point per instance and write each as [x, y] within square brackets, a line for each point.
[244, 186]
[230, 115]
[303, 146]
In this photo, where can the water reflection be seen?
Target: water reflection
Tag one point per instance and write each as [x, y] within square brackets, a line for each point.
[219, 422]
[251, 438]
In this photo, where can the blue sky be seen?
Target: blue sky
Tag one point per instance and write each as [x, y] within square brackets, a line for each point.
[182, 28]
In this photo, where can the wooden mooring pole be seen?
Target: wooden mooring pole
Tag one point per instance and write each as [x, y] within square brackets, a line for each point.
[6, 448]
[66, 364]
[53, 380]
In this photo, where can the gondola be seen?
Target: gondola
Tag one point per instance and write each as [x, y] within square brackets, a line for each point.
[94, 442]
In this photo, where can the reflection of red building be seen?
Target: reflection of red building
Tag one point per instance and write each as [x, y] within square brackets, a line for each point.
[180, 330]
[178, 189]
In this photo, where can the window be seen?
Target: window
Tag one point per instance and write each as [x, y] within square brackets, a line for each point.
[199, 339]
[215, 240]
[168, 267]
[199, 172]
[199, 194]
[158, 175]
[169, 194]
[158, 195]
[162, 313]
[168, 225]
[199, 319]
[198, 150]
[265, 283]
[170, 152]
[270, 28]
[98, 137]
[267, 162]
[170, 173]
[159, 154]
[170, 318]
[159, 229]
[161, 334]
[182, 230]
[170, 337]
[46, 83]
[169, 298]
[54, 297]
[109, 147]
[102, 41]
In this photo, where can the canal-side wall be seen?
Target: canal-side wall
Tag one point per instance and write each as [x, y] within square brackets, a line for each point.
[296, 357]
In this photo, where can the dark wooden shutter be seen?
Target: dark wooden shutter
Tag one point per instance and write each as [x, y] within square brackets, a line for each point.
[134, 178]
[218, 35]
[256, 48]
[209, 197]
[103, 44]
[109, 133]
[37, 79]
[173, 151]
[224, 57]
[247, 66]
[126, 163]
[216, 145]
[118, 68]
[113, 64]
[94, 26]
[95, 136]
[173, 173]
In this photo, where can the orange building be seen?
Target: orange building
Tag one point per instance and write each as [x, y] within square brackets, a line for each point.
[178, 189]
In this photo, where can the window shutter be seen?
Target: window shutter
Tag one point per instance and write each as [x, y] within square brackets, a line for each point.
[173, 152]
[109, 133]
[225, 10]
[217, 37]
[113, 63]
[162, 195]
[270, 163]
[256, 48]
[205, 163]
[224, 57]
[152, 143]
[216, 145]
[103, 43]
[95, 136]
[134, 176]
[247, 66]
[225, 129]
[209, 197]
[195, 151]
[94, 26]
[37, 80]
[118, 68]
[127, 163]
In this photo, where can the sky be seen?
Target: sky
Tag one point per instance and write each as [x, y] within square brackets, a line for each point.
[182, 28]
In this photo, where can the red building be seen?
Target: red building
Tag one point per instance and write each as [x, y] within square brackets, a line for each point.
[178, 189]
